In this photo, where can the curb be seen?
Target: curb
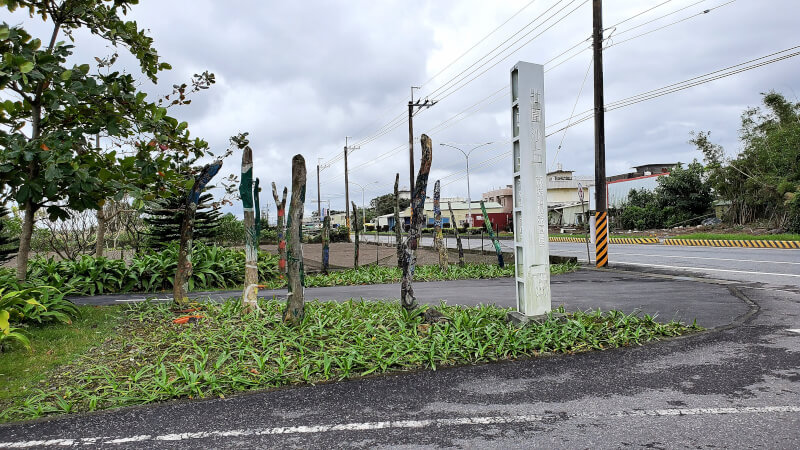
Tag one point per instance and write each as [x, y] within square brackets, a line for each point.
[732, 243]
[612, 240]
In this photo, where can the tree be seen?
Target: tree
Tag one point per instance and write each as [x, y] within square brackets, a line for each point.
[8, 232]
[385, 204]
[165, 221]
[762, 183]
[684, 196]
[53, 110]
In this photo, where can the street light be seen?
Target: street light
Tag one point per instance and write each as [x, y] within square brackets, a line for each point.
[466, 155]
[363, 213]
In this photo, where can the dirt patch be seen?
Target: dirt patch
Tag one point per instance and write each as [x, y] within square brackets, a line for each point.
[341, 255]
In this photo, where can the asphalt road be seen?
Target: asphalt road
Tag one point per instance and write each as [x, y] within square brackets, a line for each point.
[774, 268]
[737, 386]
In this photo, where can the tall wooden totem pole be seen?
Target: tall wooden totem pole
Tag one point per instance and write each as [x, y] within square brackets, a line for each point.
[281, 231]
[295, 303]
[407, 298]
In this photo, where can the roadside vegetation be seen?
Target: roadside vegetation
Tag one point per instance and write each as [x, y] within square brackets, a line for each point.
[149, 358]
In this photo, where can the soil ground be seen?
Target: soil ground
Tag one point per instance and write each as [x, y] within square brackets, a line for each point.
[341, 255]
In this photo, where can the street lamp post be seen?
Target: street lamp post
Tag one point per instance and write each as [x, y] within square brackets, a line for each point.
[363, 213]
[466, 155]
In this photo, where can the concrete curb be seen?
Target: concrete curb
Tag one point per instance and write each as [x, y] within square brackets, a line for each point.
[732, 243]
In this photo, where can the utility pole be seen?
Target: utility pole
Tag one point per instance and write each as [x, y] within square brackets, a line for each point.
[601, 209]
[319, 200]
[419, 104]
[346, 182]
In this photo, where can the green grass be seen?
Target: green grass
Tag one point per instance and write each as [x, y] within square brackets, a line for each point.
[382, 274]
[741, 236]
[150, 359]
[52, 345]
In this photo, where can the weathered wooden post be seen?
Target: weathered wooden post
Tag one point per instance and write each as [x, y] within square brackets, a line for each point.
[295, 304]
[398, 228]
[326, 237]
[184, 269]
[407, 298]
[356, 226]
[488, 225]
[281, 205]
[437, 227]
[250, 293]
[454, 226]
[377, 246]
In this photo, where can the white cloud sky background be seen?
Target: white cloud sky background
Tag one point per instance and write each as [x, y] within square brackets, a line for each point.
[300, 76]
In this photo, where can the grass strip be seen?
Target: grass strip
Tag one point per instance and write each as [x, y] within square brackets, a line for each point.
[53, 345]
[741, 237]
[382, 274]
[150, 359]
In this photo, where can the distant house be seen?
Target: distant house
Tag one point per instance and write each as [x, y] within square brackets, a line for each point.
[644, 177]
[563, 201]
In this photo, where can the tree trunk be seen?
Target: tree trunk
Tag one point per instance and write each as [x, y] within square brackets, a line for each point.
[281, 231]
[437, 227]
[454, 225]
[250, 293]
[25, 241]
[184, 269]
[407, 298]
[294, 227]
[398, 228]
[100, 245]
[326, 237]
[356, 227]
[488, 225]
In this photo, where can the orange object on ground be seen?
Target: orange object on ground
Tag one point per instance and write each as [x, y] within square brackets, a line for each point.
[187, 319]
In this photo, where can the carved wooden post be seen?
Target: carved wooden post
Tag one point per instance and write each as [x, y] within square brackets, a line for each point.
[250, 234]
[437, 227]
[281, 205]
[398, 227]
[184, 270]
[326, 237]
[356, 226]
[488, 225]
[295, 303]
[407, 298]
[454, 226]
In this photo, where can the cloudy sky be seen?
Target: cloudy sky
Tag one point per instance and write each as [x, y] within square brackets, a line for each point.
[300, 76]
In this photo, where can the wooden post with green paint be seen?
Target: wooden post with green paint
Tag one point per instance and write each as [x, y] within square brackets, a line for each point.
[250, 293]
[281, 229]
[295, 303]
[407, 298]
[184, 269]
[437, 227]
[488, 225]
[454, 226]
[398, 227]
[356, 227]
[326, 238]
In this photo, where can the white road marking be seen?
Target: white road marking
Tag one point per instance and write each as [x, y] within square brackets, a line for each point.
[397, 424]
[704, 258]
[794, 330]
[700, 269]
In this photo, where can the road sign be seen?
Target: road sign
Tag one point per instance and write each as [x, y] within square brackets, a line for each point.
[580, 192]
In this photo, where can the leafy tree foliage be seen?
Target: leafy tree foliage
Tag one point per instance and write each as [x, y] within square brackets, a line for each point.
[165, 221]
[762, 183]
[682, 198]
[53, 110]
[385, 204]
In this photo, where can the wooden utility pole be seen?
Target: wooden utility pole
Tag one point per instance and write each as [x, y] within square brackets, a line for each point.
[419, 104]
[601, 208]
[319, 199]
[346, 188]
[295, 304]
